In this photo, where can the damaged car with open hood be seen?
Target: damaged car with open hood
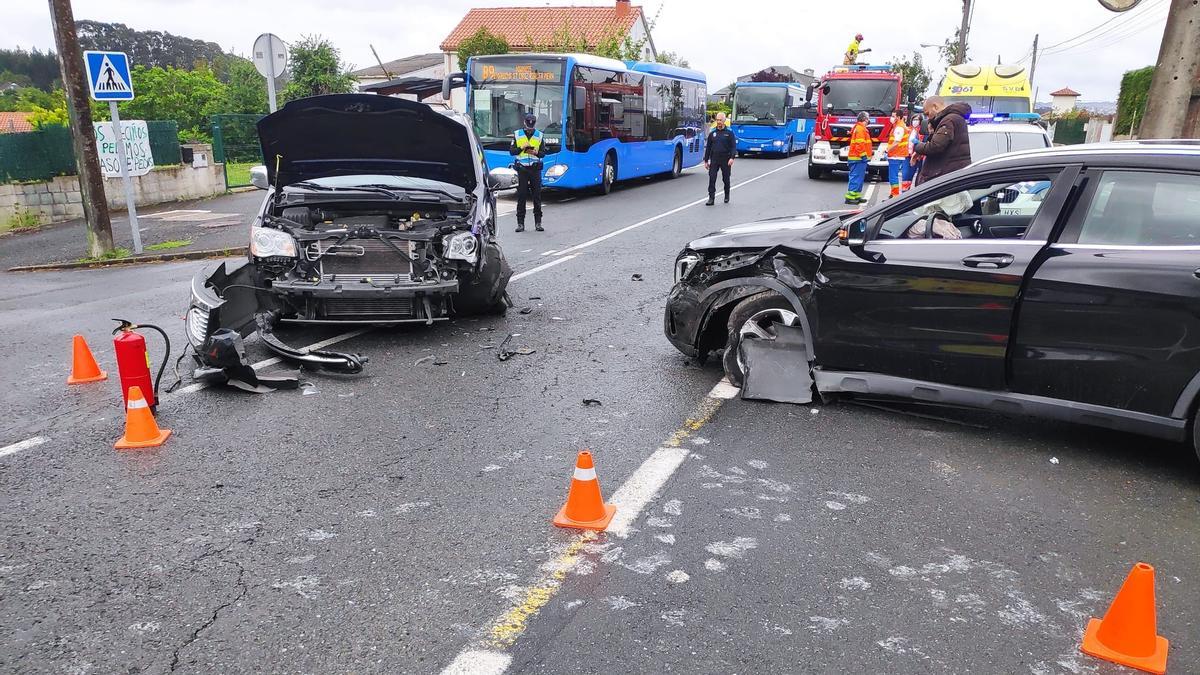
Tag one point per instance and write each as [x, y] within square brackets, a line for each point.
[379, 210]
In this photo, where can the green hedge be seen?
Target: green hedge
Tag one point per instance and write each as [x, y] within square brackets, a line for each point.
[1131, 103]
[42, 155]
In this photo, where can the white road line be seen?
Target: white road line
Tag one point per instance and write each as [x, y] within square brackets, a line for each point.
[23, 445]
[530, 272]
[724, 390]
[642, 486]
[870, 191]
[478, 662]
[651, 219]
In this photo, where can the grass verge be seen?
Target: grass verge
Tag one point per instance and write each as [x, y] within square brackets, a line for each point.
[168, 245]
[115, 254]
[21, 220]
[238, 174]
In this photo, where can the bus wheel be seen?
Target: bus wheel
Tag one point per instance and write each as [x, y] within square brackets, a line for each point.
[609, 176]
[677, 164]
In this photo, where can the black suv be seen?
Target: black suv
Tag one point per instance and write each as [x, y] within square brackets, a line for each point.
[1063, 283]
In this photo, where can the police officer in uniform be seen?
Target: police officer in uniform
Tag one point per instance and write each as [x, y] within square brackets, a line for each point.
[528, 147]
[719, 152]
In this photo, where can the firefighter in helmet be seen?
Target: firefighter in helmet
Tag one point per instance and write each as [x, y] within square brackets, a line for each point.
[854, 50]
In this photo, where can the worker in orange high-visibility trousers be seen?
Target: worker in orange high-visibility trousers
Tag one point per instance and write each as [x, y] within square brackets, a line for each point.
[897, 152]
[857, 156]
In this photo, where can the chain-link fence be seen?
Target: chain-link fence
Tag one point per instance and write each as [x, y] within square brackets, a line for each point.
[235, 142]
[46, 153]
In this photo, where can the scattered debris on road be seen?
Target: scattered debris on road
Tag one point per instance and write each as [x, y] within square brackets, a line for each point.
[504, 354]
[592, 401]
[636, 277]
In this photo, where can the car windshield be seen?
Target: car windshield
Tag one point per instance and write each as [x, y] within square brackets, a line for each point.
[992, 104]
[502, 93]
[759, 105]
[847, 97]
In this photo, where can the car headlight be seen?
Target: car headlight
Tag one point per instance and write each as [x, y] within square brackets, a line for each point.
[556, 171]
[266, 242]
[461, 246]
[197, 325]
[777, 143]
[684, 264]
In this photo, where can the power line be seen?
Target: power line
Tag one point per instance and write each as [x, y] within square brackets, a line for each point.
[1115, 39]
[1144, 9]
[1114, 33]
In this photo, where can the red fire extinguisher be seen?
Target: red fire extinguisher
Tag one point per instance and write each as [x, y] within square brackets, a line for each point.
[133, 361]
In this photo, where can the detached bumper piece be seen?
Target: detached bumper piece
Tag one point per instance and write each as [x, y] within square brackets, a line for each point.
[777, 370]
[229, 304]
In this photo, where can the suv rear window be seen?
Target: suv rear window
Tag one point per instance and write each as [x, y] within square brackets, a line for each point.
[1144, 208]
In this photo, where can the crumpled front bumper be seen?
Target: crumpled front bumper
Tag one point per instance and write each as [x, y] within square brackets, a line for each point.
[229, 297]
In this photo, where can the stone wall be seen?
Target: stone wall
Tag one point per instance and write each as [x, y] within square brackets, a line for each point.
[58, 199]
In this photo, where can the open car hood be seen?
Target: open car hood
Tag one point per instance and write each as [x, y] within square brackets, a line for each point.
[347, 134]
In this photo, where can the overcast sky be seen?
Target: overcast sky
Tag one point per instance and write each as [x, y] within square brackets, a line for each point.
[711, 35]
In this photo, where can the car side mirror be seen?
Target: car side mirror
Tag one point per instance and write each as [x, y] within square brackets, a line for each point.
[853, 233]
[502, 178]
[258, 177]
[989, 206]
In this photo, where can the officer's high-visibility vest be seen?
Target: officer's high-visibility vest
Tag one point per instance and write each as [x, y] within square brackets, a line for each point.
[529, 146]
[860, 142]
[898, 148]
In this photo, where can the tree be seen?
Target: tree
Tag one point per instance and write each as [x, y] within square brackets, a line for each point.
[948, 52]
[672, 59]
[915, 75]
[246, 89]
[316, 68]
[25, 99]
[481, 43]
[149, 48]
[770, 75]
[189, 97]
[33, 68]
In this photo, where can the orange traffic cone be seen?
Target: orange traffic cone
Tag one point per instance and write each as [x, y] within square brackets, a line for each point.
[141, 431]
[1128, 634]
[83, 364]
[585, 508]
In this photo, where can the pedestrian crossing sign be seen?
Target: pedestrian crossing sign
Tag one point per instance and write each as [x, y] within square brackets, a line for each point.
[108, 76]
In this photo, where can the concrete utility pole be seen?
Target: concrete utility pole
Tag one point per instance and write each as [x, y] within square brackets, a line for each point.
[1173, 105]
[1033, 64]
[83, 135]
[961, 56]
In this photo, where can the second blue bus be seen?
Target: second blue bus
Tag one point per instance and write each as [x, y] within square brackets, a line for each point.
[603, 120]
[771, 118]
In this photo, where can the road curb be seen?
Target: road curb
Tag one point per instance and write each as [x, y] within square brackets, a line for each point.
[136, 260]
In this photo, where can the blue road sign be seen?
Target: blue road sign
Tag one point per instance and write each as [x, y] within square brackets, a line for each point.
[108, 76]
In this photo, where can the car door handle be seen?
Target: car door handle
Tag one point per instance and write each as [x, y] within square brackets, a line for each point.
[988, 261]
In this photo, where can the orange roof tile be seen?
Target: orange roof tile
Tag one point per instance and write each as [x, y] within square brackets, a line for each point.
[1065, 91]
[521, 26]
[15, 122]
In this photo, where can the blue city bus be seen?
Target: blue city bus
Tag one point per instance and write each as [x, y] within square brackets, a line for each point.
[770, 117]
[603, 120]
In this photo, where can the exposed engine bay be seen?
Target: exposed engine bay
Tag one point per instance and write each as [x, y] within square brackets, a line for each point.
[377, 211]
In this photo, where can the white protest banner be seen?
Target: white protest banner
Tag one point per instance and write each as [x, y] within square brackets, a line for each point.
[137, 148]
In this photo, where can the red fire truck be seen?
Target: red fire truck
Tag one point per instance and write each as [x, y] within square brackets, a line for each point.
[842, 93]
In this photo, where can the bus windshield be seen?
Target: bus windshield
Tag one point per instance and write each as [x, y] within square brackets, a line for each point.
[759, 105]
[502, 92]
[992, 104]
[849, 97]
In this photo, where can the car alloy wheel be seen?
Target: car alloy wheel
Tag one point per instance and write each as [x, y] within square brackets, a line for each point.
[761, 326]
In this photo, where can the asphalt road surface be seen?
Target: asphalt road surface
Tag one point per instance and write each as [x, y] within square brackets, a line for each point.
[399, 521]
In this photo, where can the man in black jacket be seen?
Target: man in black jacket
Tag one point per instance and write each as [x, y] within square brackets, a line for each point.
[947, 148]
[719, 152]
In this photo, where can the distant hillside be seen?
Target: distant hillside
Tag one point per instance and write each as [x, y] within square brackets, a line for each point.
[149, 47]
[1099, 107]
